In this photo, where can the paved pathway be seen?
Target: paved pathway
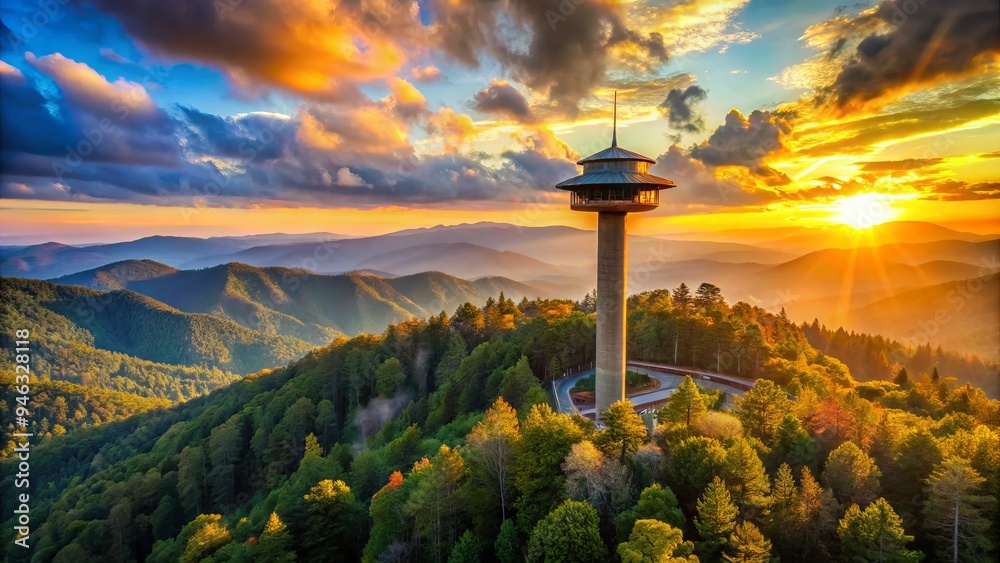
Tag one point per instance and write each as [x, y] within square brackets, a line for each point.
[669, 377]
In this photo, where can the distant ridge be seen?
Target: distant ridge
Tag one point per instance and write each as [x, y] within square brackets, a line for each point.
[296, 303]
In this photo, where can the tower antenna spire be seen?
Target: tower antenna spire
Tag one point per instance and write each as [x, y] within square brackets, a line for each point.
[614, 127]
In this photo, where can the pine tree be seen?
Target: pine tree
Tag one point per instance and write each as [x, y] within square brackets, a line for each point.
[570, 533]
[875, 534]
[275, 542]
[332, 524]
[747, 545]
[716, 515]
[902, 378]
[389, 377]
[507, 544]
[493, 442]
[851, 474]
[747, 479]
[762, 408]
[784, 507]
[953, 514]
[468, 549]
[625, 431]
[685, 405]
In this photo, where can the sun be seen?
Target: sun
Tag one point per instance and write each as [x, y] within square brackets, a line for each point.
[863, 211]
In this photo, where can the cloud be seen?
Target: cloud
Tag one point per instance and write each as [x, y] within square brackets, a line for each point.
[745, 141]
[962, 191]
[408, 102]
[455, 129]
[699, 184]
[324, 156]
[561, 50]
[678, 107]
[347, 178]
[111, 55]
[503, 99]
[85, 117]
[426, 74]
[918, 43]
[690, 26]
[899, 165]
[308, 47]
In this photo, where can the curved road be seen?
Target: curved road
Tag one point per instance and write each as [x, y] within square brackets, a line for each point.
[669, 377]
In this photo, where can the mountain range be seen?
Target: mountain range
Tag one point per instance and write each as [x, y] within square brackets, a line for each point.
[297, 303]
[824, 273]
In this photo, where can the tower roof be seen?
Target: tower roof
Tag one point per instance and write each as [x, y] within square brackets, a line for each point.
[615, 177]
[616, 153]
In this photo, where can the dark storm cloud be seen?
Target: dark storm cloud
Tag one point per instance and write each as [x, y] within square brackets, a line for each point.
[679, 108]
[929, 39]
[745, 141]
[502, 98]
[563, 49]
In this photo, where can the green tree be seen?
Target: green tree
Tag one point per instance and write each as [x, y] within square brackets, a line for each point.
[468, 549]
[570, 533]
[518, 382]
[657, 542]
[507, 544]
[747, 479]
[815, 523]
[954, 513]
[655, 503]
[275, 545]
[469, 321]
[493, 443]
[875, 534]
[388, 519]
[747, 545]
[388, 377]
[902, 378]
[785, 501]
[436, 498]
[851, 474]
[210, 535]
[332, 524]
[716, 515]
[762, 408]
[707, 296]
[624, 430]
[694, 463]
[682, 298]
[686, 404]
[546, 439]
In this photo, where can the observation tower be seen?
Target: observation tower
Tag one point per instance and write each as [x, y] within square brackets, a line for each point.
[614, 183]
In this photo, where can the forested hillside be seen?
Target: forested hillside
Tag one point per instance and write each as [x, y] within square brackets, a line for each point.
[124, 341]
[398, 447]
[873, 357]
[298, 303]
[58, 407]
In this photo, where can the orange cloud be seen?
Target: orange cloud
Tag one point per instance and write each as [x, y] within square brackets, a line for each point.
[456, 129]
[301, 45]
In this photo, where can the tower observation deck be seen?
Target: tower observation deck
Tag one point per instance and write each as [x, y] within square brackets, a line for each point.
[614, 183]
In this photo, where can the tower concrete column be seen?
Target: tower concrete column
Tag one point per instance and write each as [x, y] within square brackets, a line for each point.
[612, 261]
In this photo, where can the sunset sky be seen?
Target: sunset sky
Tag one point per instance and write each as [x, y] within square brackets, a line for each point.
[125, 118]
